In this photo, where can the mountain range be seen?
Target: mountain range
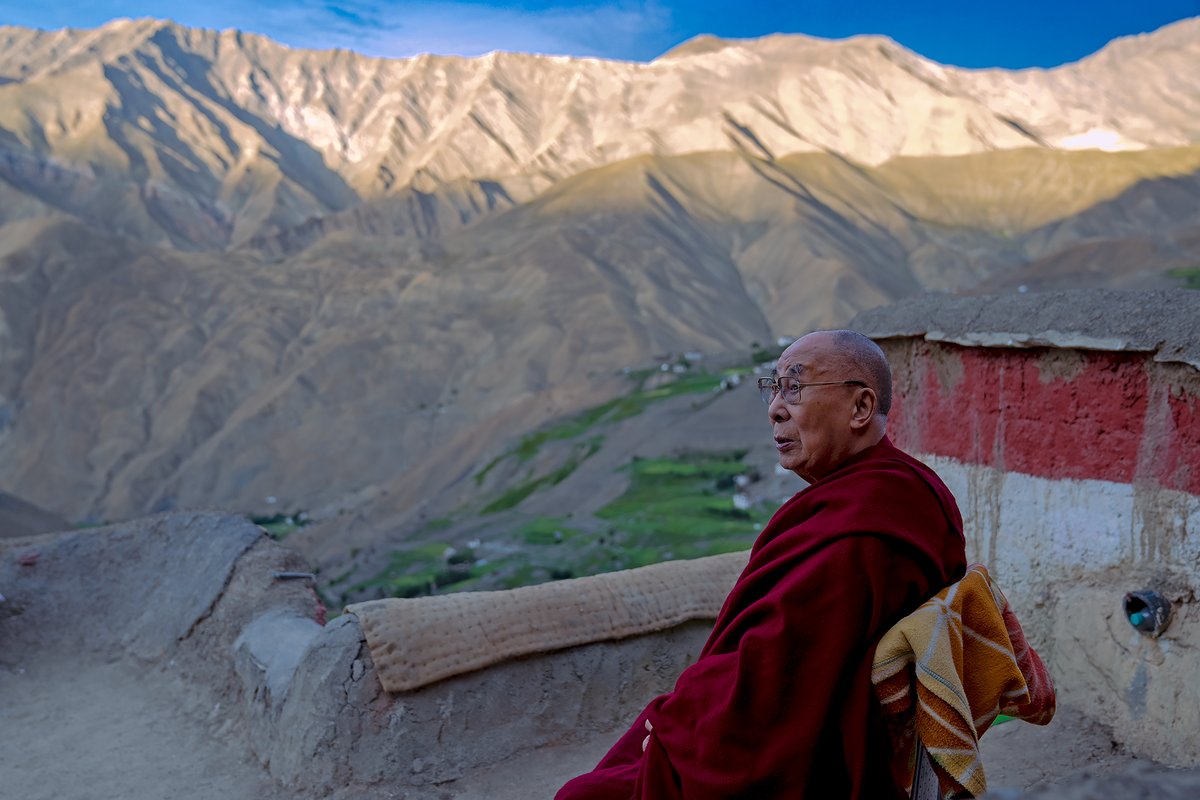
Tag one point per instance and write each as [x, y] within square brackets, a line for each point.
[236, 274]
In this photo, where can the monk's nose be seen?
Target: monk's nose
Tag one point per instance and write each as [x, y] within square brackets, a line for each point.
[777, 410]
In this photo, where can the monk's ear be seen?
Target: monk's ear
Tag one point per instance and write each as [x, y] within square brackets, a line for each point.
[865, 408]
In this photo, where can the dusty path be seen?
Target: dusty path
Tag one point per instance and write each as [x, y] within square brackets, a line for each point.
[71, 731]
[108, 731]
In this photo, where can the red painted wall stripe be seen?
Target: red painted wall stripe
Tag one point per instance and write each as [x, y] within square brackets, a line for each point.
[1178, 465]
[1051, 413]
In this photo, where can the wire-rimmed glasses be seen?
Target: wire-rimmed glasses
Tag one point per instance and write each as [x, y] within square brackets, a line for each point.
[791, 388]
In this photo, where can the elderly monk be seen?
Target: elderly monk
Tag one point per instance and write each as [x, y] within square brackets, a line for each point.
[779, 703]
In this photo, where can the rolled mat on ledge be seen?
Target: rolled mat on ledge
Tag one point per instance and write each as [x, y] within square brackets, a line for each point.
[415, 642]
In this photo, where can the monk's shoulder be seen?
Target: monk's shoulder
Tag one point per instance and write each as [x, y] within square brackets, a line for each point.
[897, 488]
[890, 473]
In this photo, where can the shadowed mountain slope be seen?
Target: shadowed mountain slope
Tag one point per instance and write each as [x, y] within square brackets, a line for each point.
[19, 518]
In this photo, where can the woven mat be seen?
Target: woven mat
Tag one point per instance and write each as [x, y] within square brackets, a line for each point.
[415, 642]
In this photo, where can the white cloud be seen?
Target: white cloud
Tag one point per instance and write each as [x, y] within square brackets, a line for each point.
[393, 28]
[451, 28]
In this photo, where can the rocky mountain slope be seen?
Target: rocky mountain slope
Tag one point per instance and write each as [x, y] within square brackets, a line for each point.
[19, 518]
[206, 139]
[230, 271]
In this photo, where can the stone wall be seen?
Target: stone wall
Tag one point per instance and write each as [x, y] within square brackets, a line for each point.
[334, 733]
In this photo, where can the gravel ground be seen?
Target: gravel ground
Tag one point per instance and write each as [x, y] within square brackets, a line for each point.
[109, 731]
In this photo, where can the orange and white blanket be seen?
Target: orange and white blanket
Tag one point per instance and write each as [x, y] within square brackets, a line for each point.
[946, 671]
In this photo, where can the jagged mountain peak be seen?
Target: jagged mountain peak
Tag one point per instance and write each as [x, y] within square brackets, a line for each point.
[699, 45]
[1183, 34]
[26, 53]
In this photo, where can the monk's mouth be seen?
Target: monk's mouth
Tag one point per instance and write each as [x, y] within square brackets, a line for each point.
[784, 444]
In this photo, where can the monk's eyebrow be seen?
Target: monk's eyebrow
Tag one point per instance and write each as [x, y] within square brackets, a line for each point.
[796, 369]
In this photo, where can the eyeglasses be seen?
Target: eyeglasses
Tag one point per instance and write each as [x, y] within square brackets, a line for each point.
[790, 388]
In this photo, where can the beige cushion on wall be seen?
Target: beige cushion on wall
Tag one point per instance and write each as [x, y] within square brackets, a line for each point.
[414, 642]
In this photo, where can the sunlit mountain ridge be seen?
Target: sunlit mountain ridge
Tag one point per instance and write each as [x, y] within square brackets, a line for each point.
[209, 139]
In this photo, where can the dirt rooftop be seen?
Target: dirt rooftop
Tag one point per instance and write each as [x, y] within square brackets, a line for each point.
[1166, 323]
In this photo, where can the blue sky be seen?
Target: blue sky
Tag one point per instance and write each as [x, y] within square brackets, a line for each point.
[1019, 33]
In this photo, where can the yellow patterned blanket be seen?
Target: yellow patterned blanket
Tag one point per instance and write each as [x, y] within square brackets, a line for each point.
[946, 671]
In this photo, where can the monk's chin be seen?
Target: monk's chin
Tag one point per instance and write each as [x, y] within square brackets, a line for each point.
[790, 464]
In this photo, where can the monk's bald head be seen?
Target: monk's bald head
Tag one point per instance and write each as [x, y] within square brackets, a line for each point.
[866, 362]
[849, 355]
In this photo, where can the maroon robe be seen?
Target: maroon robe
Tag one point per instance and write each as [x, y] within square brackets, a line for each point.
[780, 704]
